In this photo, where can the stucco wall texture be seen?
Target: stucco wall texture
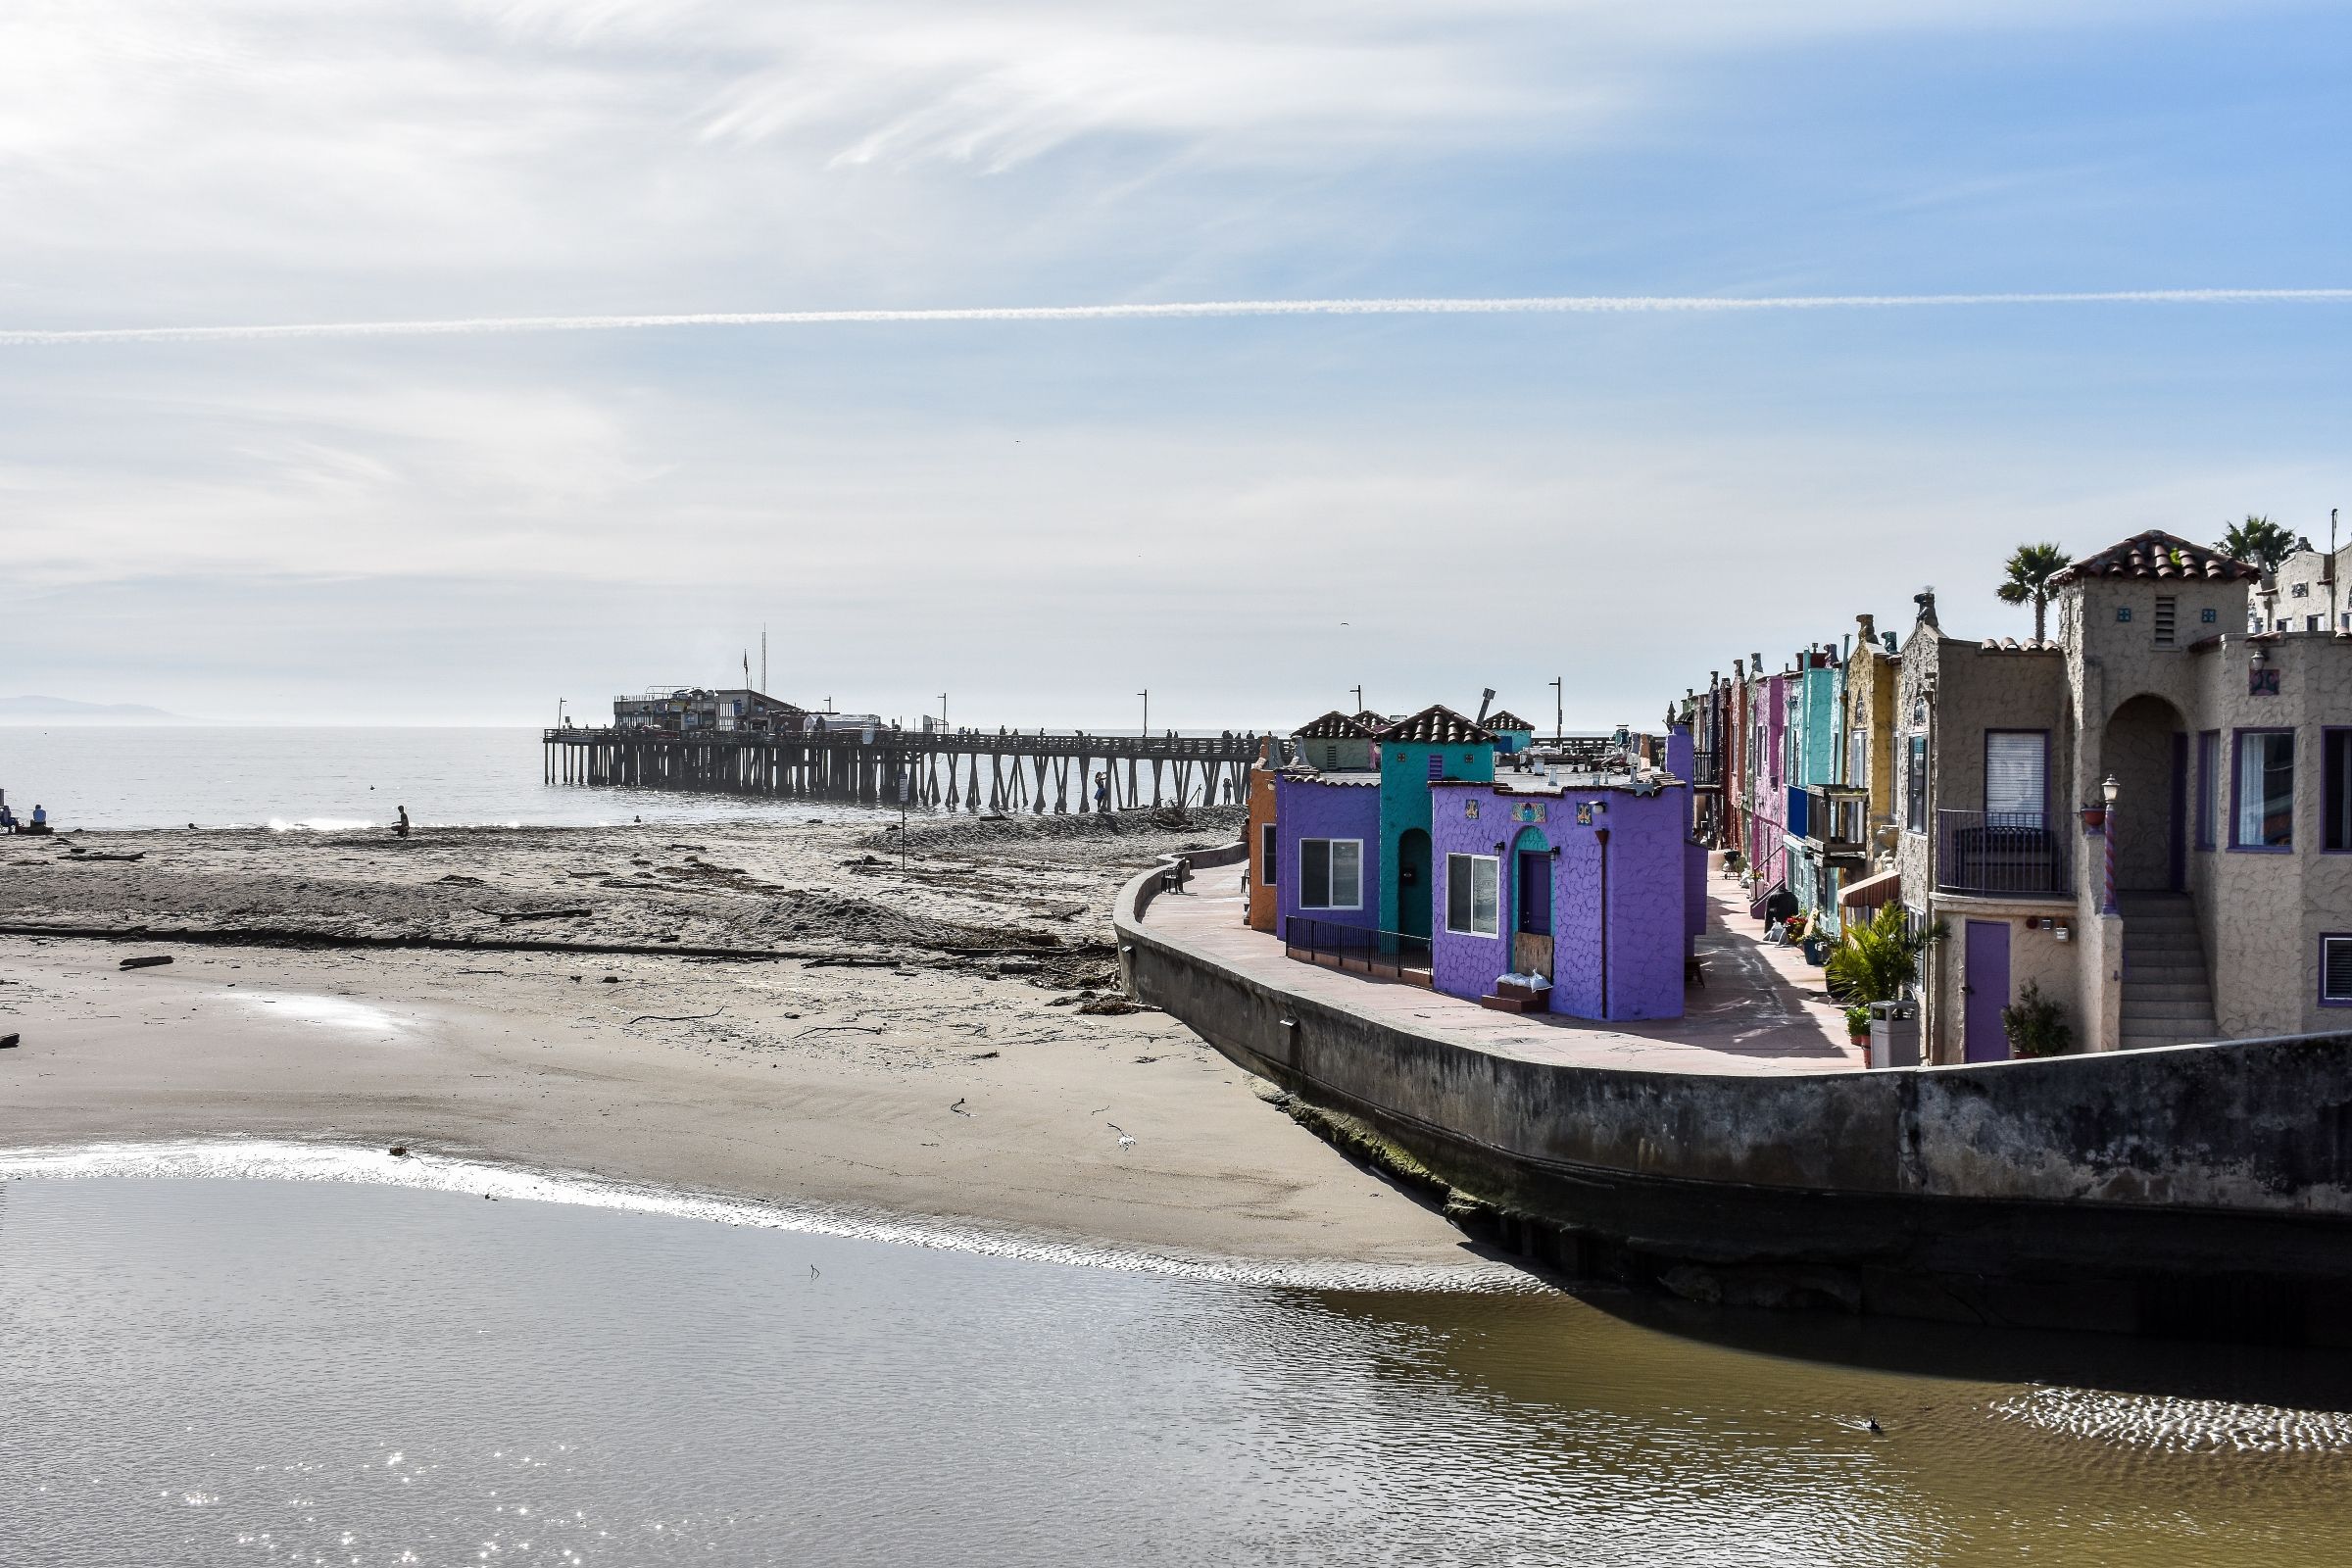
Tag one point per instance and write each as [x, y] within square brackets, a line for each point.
[1264, 907]
[1306, 807]
[2114, 698]
[1643, 927]
[1404, 802]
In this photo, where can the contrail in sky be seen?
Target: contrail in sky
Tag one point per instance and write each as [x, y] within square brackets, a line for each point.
[1537, 305]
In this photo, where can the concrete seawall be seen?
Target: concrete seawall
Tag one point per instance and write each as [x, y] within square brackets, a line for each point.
[2199, 1190]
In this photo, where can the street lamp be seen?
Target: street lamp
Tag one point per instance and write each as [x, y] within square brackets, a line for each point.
[1145, 694]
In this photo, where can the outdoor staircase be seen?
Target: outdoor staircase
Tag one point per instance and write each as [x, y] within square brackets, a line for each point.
[2168, 997]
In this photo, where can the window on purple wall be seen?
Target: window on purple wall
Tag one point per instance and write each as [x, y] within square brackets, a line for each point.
[2209, 817]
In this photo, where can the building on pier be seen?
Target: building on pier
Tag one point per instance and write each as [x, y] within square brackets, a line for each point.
[686, 709]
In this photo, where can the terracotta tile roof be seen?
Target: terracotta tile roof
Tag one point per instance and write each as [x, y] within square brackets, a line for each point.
[1506, 719]
[1437, 724]
[2013, 645]
[1332, 726]
[1373, 723]
[2157, 553]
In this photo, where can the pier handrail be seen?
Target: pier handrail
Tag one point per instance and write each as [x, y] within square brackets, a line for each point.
[1237, 746]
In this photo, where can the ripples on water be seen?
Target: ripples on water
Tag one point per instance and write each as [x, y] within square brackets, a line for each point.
[95, 776]
[322, 1372]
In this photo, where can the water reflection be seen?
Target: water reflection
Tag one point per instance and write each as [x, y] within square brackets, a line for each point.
[279, 1371]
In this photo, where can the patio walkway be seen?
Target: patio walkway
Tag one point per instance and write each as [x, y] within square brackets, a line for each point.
[1762, 1009]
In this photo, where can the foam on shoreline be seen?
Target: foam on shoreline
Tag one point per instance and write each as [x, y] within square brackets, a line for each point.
[267, 1160]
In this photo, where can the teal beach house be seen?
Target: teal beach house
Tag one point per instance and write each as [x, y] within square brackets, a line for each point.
[1435, 745]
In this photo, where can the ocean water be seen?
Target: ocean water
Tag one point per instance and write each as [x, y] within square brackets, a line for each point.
[270, 1371]
[157, 776]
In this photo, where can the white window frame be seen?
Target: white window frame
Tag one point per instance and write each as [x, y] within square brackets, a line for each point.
[1493, 866]
[1330, 863]
[2328, 998]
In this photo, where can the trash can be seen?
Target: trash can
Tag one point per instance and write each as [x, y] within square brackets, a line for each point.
[1894, 1034]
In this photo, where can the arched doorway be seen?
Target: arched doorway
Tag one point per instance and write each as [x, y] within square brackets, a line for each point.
[1412, 882]
[2145, 751]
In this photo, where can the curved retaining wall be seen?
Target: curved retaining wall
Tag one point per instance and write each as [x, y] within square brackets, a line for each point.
[2199, 1190]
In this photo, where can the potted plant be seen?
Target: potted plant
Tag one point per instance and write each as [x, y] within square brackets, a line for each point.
[1857, 1023]
[1792, 930]
[1875, 962]
[2035, 1024]
[1815, 944]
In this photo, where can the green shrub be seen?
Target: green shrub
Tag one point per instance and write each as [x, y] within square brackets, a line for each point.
[1857, 1018]
[2035, 1024]
[1873, 962]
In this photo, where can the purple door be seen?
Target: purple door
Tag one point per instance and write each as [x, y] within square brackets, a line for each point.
[1985, 991]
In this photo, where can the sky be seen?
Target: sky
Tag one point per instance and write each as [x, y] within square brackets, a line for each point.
[1248, 515]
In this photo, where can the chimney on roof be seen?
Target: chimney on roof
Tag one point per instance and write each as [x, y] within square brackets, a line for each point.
[1869, 628]
[1739, 669]
[1924, 598]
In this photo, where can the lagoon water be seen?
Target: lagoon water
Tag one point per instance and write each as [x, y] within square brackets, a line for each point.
[216, 1371]
[167, 776]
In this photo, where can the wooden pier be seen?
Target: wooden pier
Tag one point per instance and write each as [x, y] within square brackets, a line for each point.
[1006, 770]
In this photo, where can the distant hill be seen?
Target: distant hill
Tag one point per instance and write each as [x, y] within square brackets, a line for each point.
[64, 710]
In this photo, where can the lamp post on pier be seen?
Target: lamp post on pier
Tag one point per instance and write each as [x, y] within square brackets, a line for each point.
[1145, 694]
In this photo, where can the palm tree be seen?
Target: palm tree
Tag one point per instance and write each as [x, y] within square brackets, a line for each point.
[1873, 962]
[2029, 581]
[2259, 542]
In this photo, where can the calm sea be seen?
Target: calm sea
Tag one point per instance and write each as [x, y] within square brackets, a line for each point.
[217, 776]
[221, 1371]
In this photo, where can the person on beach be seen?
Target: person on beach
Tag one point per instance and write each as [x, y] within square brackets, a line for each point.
[401, 827]
[40, 817]
[1103, 793]
[8, 818]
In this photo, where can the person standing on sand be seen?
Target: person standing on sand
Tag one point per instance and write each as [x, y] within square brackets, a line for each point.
[1102, 794]
[8, 818]
[401, 827]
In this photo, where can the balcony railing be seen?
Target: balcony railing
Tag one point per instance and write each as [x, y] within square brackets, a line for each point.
[1359, 948]
[2003, 852]
[1837, 817]
[1707, 770]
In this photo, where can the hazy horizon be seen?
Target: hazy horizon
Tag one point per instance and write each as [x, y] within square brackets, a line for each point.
[1044, 515]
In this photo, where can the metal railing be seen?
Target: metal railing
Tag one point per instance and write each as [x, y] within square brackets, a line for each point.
[1835, 817]
[2002, 852]
[1359, 947]
[1231, 746]
[1707, 770]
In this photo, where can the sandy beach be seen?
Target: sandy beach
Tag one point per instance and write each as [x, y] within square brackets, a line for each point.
[811, 1014]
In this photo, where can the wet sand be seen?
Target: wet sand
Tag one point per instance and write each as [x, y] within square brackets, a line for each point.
[942, 1041]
